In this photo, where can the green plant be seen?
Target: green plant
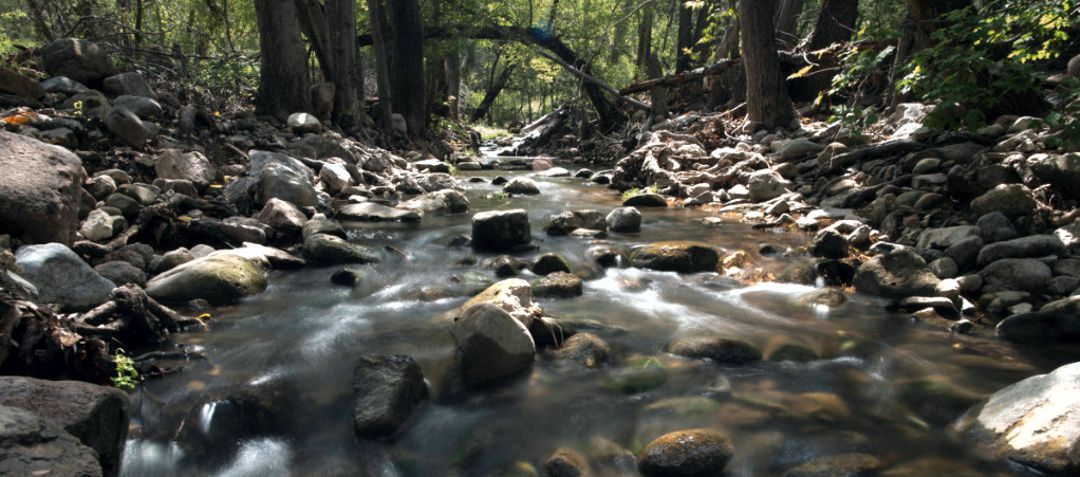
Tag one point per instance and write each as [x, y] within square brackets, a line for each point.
[652, 189]
[125, 375]
[1067, 121]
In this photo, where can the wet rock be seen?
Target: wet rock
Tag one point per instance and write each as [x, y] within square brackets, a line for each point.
[373, 212]
[679, 256]
[121, 273]
[996, 227]
[303, 123]
[571, 220]
[521, 186]
[348, 276]
[327, 249]
[765, 185]
[1035, 422]
[829, 243]
[1016, 274]
[221, 420]
[40, 190]
[1057, 321]
[30, 445]
[491, 344]
[558, 285]
[624, 220]
[841, 465]
[555, 172]
[720, 350]
[897, 274]
[941, 305]
[447, 202]
[549, 263]
[586, 349]
[1033, 246]
[793, 352]
[386, 392]
[505, 265]
[690, 453]
[829, 297]
[219, 278]
[80, 60]
[127, 126]
[95, 415]
[567, 463]
[189, 166]
[319, 224]
[62, 277]
[646, 200]
[1012, 200]
[501, 230]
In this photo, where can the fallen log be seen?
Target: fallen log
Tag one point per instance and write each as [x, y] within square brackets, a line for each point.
[680, 78]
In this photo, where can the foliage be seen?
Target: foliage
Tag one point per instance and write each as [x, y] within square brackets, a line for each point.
[125, 375]
[1068, 120]
[987, 57]
[636, 191]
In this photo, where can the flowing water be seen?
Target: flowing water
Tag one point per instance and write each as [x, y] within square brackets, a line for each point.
[882, 385]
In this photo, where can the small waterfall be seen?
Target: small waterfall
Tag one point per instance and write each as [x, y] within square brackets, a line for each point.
[206, 416]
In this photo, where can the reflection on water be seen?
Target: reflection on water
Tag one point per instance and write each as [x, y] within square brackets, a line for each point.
[867, 381]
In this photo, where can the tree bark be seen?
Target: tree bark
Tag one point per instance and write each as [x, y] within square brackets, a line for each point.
[407, 65]
[379, 27]
[787, 21]
[767, 103]
[659, 93]
[685, 43]
[645, 28]
[836, 23]
[492, 93]
[330, 26]
[452, 66]
[283, 79]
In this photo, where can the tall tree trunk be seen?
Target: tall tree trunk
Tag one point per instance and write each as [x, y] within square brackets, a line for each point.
[685, 42]
[452, 66]
[836, 23]
[407, 66]
[645, 28]
[767, 103]
[331, 28]
[659, 94]
[787, 21]
[283, 79]
[379, 27]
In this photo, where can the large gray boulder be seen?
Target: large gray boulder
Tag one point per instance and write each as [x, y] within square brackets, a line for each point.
[32, 446]
[282, 177]
[1035, 422]
[624, 220]
[897, 274]
[128, 84]
[491, 344]
[190, 166]
[386, 391]
[766, 184]
[127, 126]
[1013, 200]
[1062, 170]
[501, 230]
[219, 278]
[62, 277]
[80, 60]
[40, 190]
[96, 415]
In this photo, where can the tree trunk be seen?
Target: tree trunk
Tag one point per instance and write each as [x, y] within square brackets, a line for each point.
[379, 28]
[41, 27]
[283, 79]
[767, 103]
[924, 18]
[787, 21]
[685, 44]
[492, 93]
[658, 94]
[452, 66]
[407, 65]
[330, 27]
[836, 23]
[719, 93]
[645, 27]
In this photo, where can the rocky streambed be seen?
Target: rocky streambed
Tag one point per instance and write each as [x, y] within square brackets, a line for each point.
[551, 346]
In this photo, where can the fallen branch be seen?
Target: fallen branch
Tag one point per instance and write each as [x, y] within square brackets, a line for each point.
[684, 77]
[596, 82]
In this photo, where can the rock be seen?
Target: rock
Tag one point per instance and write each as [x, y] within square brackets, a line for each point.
[513, 296]
[400, 126]
[1061, 170]
[554, 172]
[841, 465]
[1069, 236]
[1057, 322]
[944, 238]
[40, 190]
[549, 263]
[335, 177]
[280, 176]
[501, 230]
[624, 220]
[63, 85]
[927, 165]
[829, 243]
[1035, 422]
[586, 349]
[679, 256]
[446, 202]
[1016, 274]
[765, 185]
[897, 274]
[319, 224]
[327, 249]
[1033, 246]
[432, 165]
[32, 446]
[690, 453]
[386, 392]
[349, 276]
[62, 277]
[15, 83]
[173, 259]
[228, 416]
[121, 273]
[941, 305]
[286, 219]
[1012, 200]
[645, 200]
[800, 148]
[374, 212]
[303, 123]
[125, 125]
[189, 166]
[128, 84]
[944, 267]
[964, 252]
[521, 186]
[558, 285]
[720, 350]
[220, 278]
[567, 463]
[144, 108]
[101, 225]
[996, 227]
[95, 415]
[178, 186]
[505, 265]
[1074, 67]
[564, 223]
[491, 344]
[80, 60]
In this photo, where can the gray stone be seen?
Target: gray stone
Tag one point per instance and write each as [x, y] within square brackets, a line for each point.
[121, 273]
[63, 85]
[564, 223]
[896, 274]
[1061, 170]
[335, 177]
[1069, 236]
[1016, 274]
[964, 252]
[386, 392]
[720, 350]
[286, 219]
[840, 465]
[586, 349]
[491, 344]
[331, 250]
[127, 126]
[303, 123]
[624, 220]
[558, 285]
[1033, 246]
[32, 446]
[501, 230]
[101, 225]
[521, 186]
[143, 107]
[219, 278]
[280, 176]
[676, 256]
[189, 166]
[944, 238]
[645, 200]
[829, 243]
[62, 277]
[128, 84]
[765, 185]
[40, 190]
[799, 148]
[373, 212]
[1012, 200]
[944, 267]
[997, 227]
[80, 60]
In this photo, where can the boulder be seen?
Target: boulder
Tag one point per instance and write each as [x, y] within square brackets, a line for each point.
[101, 225]
[386, 392]
[335, 177]
[80, 60]
[566, 222]
[829, 243]
[501, 230]
[586, 349]
[1032, 246]
[678, 256]
[1016, 274]
[943, 238]
[513, 296]
[40, 190]
[327, 249]
[303, 123]
[446, 201]
[567, 463]
[143, 107]
[121, 273]
[279, 176]
[127, 126]
[221, 277]
[32, 446]
[995, 227]
[558, 285]
[128, 84]
[1061, 170]
[189, 166]
[720, 350]
[897, 274]
[549, 263]
[63, 85]
[689, 453]
[15, 83]
[624, 220]
[1035, 422]
[645, 200]
[799, 148]
[521, 186]
[62, 277]
[286, 219]
[1012, 200]
[95, 415]
[491, 344]
[766, 184]
[373, 212]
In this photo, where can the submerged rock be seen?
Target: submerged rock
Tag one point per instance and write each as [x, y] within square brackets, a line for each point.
[332, 250]
[720, 350]
[679, 256]
[558, 285]
[645, 200]
[386, 392]
[586, 349]
[690, 453]
[567, 463]
[372, 212]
